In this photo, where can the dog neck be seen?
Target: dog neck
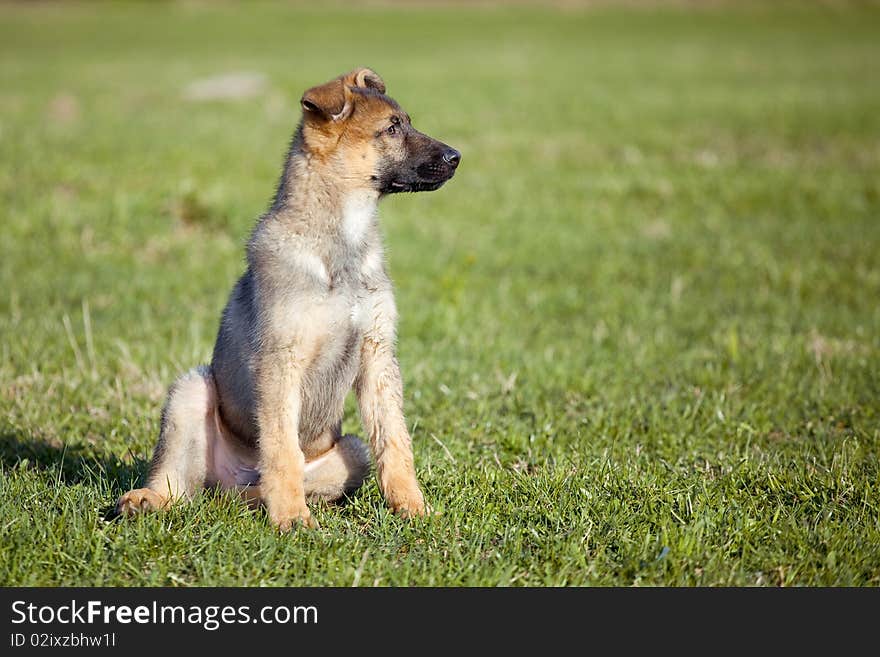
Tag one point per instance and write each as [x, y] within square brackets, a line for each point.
[315, 195]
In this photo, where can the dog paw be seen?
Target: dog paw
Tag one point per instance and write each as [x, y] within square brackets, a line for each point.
[410, 504]
[285, 522]
[139, 500]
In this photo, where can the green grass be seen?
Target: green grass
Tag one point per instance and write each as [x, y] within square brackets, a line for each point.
[640, 329]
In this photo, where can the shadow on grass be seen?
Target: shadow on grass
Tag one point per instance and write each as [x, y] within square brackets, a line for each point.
[70, 464]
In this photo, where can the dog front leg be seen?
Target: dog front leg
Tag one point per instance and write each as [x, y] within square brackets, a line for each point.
[379, 389]
[282, 463]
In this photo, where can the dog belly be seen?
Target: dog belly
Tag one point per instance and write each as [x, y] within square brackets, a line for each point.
[325, 388]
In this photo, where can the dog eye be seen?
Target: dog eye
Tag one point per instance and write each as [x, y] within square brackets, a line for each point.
[392, 129]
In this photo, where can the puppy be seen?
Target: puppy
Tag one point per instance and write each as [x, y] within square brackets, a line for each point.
[312, 317]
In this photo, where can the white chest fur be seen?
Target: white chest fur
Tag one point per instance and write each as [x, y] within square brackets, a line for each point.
[358, 217]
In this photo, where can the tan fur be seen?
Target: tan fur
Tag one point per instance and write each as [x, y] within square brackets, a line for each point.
[312, 317]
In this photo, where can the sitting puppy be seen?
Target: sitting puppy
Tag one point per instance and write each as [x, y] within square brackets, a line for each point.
[312, 317]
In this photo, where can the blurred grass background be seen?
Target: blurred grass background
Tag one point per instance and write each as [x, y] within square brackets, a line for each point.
[640, 330]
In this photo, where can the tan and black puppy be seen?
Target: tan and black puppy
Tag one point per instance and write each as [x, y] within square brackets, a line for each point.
[311, 318]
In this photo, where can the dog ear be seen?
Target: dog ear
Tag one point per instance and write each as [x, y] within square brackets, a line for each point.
[365, 77]
[333, 100]
[327, 101]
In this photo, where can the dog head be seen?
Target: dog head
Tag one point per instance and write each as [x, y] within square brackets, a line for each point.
[367, 139]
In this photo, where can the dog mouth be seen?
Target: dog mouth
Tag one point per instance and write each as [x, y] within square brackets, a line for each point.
[425, 178]
[415, 186]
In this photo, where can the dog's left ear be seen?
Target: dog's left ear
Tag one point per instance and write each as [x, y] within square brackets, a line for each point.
[333, 100]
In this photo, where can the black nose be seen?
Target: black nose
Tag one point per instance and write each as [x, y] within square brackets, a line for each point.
[452, 157]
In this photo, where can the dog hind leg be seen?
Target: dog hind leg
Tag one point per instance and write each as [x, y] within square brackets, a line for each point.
[180, 461]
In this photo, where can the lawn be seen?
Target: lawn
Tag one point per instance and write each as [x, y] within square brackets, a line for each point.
[640, 329]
